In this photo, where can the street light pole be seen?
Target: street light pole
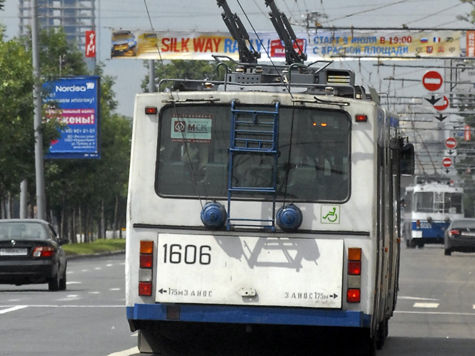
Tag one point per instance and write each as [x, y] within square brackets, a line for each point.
[39, 169]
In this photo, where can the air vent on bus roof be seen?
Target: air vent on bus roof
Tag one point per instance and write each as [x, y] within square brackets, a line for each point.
[339, 77]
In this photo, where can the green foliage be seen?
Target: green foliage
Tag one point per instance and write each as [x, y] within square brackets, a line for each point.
[76, 190]
[16, 119]
[98, 246]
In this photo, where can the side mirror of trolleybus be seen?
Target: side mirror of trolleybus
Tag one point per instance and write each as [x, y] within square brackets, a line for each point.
[407, 159]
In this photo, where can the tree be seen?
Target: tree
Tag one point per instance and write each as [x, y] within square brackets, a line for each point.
[16, 118]
[83, 196]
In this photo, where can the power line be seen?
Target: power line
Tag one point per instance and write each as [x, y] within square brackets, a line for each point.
[434, 13]
[368, 10]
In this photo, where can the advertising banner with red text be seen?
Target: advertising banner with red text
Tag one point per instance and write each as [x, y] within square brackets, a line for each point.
[316, 44]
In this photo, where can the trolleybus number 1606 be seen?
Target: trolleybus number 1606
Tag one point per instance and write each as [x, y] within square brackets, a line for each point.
[188, 254]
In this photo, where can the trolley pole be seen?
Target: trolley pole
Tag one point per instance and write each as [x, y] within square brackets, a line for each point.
[39, 169]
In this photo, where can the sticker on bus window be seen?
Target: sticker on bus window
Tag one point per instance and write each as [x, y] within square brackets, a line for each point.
[330, 214]
[191, 128]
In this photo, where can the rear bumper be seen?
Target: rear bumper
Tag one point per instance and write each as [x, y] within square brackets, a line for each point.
[460, 244]
[27, 271]
[247, 315]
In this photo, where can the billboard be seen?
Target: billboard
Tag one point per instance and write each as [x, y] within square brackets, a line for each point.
[317, 44]
[75, 101]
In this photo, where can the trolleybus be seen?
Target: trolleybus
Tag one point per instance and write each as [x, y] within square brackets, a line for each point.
[429, 207]
[268, 198]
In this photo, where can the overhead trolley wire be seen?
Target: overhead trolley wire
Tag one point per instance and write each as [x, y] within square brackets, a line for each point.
[368, 10]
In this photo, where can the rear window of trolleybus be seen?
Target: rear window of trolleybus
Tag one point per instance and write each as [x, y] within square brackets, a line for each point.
[193, 157]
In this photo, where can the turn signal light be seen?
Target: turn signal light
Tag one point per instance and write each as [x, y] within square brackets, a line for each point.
[146, 246]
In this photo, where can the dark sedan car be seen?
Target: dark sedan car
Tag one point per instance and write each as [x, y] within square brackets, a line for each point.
[30, 252]
[460, 236]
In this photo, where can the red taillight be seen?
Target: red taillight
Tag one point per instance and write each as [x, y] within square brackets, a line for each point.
[145, 288]
[353, 295]
[353, 278]
[43, 251]
[354, 268]
[151, 110]
[454, 232]
[146, 268]
[361, 118]
[146, 261]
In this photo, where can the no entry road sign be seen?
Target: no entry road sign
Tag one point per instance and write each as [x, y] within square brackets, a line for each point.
[447, 162]
[432, 80]
[451, 142]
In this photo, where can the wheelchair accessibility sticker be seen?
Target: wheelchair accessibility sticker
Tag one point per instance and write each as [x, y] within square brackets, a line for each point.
[330, 214]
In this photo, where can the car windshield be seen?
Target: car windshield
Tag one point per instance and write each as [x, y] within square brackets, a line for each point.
[461, 224]
[22, 231]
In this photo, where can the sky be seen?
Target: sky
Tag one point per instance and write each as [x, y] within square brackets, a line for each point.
[204, 15]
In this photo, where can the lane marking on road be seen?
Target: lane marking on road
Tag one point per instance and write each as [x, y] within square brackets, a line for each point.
[131, 351]
[109, 265]
[68, 298]
[473, 306]
[73, 282]
[114, 289]
[415, 298]
[94, 292]
[16, 307]
[97, 268]
[432, 313]
[425, 305]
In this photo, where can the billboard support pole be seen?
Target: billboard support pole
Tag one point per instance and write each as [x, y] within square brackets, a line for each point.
[151, 76]
[39, 169]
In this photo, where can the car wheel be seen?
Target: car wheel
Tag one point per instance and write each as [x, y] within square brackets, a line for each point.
[447, 251]
[53, 283]
[62, 281]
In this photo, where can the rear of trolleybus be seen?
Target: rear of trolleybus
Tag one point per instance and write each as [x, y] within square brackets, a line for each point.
[430, 206]
[261, 208]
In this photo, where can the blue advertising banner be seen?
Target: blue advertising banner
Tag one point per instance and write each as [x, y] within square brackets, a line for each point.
[76, 103]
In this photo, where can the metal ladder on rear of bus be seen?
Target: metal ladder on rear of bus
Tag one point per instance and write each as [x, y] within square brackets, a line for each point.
[253, 132]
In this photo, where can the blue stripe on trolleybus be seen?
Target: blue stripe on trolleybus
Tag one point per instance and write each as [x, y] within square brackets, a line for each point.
[249, 315]
[431, 230]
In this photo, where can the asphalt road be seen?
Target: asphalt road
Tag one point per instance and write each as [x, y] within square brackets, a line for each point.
[86, 319]
[435, 313]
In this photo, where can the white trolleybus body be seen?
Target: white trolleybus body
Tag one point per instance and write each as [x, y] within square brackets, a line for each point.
[271, 198]
[430, 206]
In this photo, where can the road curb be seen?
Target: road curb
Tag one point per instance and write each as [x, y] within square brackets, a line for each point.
[99, 254]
